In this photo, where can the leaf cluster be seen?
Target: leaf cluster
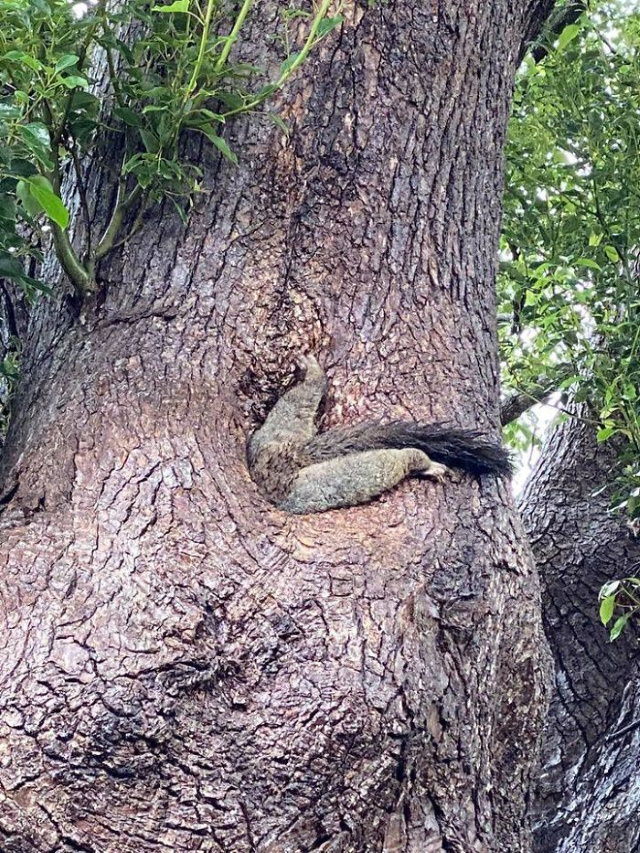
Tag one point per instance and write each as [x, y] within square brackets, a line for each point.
[570, 249]
[141, 73]
[621, 597]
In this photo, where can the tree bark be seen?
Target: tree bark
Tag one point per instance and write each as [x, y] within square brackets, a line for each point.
[188, 668]
[589, 794]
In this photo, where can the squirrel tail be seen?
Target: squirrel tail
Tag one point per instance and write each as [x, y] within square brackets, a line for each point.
[459, 448]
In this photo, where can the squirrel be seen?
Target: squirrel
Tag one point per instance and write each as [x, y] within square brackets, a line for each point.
[301, 471]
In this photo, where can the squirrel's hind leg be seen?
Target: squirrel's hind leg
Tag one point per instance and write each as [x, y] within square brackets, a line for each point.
[292, 419]
[355, 479]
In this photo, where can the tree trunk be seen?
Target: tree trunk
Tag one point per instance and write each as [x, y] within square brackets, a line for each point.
[589, 792]
[188, 668]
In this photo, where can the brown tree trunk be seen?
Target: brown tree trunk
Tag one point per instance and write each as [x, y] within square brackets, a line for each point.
[188, 668]
[589, 793]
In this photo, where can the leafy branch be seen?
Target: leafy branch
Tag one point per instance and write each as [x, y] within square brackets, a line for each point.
[169, 66]
[621, 597]
[571, 240]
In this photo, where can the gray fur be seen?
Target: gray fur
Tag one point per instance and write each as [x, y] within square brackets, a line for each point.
[301, 471]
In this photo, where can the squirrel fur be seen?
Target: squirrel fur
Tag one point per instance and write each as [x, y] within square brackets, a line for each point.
[301, 471]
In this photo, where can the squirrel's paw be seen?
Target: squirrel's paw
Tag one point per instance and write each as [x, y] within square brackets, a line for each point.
[436, 472]
[310, 366]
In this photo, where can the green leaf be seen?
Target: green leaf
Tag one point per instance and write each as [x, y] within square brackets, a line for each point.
[178, 6]
[287, 64]
[327, 24]
[66, 61]
[50, 203]
[206, 114]
[180, 211]
[612, 253]
[75, 81]
[607, 606]
[633, 504]
[567, 35]
[231, 100]
[128, 116]
[618, 626]
[150, 140]
[221, 145]
[26, 199]
[11, 268]
[35, 137]
[24, 59]
[7, 208]
[22, 168]
[38, 131]
[9, 111]
[587, 262]
[604, 434]
[629, 391]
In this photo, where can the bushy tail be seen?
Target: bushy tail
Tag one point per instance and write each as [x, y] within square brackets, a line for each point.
[460, 448]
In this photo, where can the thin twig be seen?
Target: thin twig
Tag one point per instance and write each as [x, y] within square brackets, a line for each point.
[284, 75]
[233, 35]
[120, 207]
[135, 227]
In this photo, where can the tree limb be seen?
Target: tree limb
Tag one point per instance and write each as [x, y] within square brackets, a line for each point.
[519, 402]
[564, 16]
[540, 38]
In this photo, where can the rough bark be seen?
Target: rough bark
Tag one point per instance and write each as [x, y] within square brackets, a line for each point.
[589, 791]
[188, 668]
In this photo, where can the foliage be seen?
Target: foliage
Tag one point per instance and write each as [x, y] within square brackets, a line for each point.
[132, 72]
[570, 307]
[621, 597]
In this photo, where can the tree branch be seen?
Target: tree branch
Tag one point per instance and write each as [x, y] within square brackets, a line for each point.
[567, 14]
[519, 402]
[69, 260]
[121, 206]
